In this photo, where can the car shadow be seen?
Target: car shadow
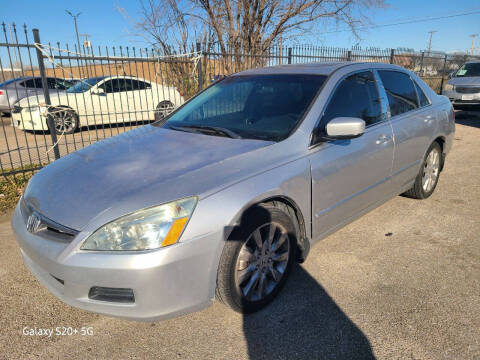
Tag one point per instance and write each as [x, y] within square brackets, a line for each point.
[304, 322]
[468, 117]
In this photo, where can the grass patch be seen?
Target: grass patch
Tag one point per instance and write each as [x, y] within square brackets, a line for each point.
[11, 189]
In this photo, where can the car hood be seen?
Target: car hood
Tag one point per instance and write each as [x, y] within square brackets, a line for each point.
[468, 80]
[137, 169]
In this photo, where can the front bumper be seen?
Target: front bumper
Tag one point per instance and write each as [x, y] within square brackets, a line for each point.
[166, 283]
[25, 120]
[462, 99]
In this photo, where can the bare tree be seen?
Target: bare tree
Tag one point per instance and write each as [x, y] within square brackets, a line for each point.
[240, 27]
[255, 25]
[172, 29]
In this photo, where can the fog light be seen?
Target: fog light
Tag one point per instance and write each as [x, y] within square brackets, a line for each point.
[120, 295]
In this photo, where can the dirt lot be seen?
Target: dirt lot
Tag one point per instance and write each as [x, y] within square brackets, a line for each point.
[402, 282]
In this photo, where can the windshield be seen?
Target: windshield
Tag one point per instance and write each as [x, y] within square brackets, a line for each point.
[265, 107]
[84, 85]
[469, 69]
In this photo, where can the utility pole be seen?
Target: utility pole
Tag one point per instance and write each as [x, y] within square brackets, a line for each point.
[473, 36]
[86, 43]
[430, 40]
[76, 27]
[76, 33]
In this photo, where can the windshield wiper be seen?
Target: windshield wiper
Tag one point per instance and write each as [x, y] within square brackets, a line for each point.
[204, 129]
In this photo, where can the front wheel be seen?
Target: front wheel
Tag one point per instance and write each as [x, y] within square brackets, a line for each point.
[257, 259]
[65, 120]
[427, 178]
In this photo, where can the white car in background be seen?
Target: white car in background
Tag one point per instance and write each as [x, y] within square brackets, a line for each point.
[98, 101]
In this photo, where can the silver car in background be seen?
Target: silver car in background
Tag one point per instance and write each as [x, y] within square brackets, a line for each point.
[13, 90]
[464, 86]
[222, 198]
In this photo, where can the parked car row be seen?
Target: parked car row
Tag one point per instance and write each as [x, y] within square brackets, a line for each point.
[91, 101]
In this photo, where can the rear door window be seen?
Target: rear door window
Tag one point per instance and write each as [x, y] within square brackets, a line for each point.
[400, 90]
[356, 96]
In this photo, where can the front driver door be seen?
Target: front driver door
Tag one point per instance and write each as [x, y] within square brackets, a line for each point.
[349, 176]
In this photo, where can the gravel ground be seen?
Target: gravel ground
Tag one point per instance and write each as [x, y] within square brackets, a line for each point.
[401, 282]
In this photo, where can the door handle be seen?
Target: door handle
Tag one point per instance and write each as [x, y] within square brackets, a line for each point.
[383, 139]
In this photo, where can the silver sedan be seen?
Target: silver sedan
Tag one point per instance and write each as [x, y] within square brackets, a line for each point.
[13, 90]
[222, 198]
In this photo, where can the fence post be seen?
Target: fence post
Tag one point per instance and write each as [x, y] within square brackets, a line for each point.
[289, 55]
[349, 55]
[421, 63]
[199, 67]
[46, 93]
[443, 72]
[392, 55]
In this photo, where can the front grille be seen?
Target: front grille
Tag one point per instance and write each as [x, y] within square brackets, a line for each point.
[16, 109]
[45, 224]
[467, 89]
[120, 295]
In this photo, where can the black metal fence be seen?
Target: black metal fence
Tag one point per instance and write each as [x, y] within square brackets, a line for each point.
[57, 98]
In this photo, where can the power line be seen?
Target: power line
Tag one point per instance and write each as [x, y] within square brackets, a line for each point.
[404, 22]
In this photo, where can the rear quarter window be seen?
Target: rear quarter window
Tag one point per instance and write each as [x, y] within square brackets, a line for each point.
[422, 98]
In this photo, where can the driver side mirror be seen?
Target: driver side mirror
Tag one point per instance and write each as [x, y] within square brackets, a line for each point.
[99, 91]
[345, 128]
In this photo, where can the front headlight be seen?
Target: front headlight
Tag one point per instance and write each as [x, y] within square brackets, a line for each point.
[449, 87]
[146, 229]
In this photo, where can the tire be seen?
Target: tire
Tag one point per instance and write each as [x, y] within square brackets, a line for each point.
[242, 258]
[65, 120]
[163, 109]
[429, 168]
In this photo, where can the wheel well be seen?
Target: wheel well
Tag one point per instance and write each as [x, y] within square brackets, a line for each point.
[303, 244]
[441, 141]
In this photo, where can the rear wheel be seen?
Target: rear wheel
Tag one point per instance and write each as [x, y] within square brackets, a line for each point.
[257, 259]
[427, 178]
[163, 109]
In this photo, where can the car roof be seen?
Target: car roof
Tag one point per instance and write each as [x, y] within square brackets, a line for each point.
[324, 68]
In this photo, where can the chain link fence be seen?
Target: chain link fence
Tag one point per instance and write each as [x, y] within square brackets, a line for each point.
[57, 98]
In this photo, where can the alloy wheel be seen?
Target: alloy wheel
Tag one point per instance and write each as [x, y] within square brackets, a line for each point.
[163, 109]
[431, 170]
[262, 261]
[64, 120]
